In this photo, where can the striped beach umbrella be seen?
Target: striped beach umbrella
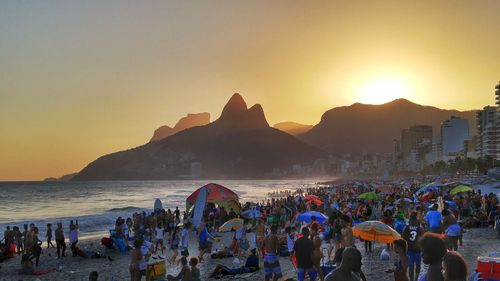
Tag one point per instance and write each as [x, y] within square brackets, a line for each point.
[231, 224]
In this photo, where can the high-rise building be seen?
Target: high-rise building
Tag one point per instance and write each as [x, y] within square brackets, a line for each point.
[454, 132]
[416, 142]
[486, 131]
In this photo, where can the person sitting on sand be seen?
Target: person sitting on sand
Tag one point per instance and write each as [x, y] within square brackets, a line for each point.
[433, 250]
[195, 272]
[454, 267]
[349, 267]
[251, 265]
[184, 274]
[401, 266]
[88, 254]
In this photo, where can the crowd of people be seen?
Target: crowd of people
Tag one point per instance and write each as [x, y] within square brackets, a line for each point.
[431, 225]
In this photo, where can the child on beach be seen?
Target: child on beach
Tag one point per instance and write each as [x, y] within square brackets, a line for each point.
[49, 235]
[401, 266]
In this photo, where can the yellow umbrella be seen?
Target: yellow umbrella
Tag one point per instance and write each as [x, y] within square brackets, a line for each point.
[231, 224]
[375, 231]
[460, 188]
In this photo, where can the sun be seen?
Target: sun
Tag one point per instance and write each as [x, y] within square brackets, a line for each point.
[381, 90]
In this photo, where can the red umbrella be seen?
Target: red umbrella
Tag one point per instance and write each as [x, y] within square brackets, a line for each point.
[314, 201]
[309, 197]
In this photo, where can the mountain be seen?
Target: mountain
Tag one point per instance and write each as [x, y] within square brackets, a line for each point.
[372, 128]
[292, 128]
[67, 177]
[239, 144]
[191, 120]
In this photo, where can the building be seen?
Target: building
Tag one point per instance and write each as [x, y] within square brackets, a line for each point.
[486, 131]
[416, 142]
[454, 132]
[470, 147]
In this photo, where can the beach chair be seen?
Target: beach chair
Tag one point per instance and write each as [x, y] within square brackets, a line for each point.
[156, 271]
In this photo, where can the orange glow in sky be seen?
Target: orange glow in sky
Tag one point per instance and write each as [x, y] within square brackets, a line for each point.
[81, 79]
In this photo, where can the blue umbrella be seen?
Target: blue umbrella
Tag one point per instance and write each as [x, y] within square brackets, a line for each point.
[452, 204]
[427, 188]
[306, 217]
[251, 214]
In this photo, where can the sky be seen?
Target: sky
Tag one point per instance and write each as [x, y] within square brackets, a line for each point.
[81, 79]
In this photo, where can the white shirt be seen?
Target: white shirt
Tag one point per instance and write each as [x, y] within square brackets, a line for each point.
[159, 233]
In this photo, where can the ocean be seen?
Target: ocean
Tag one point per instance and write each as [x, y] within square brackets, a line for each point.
[96, 205]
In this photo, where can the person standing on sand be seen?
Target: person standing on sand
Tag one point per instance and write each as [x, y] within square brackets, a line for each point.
[317, 254]
[454, 267]
[272, 268]
[349, 267]
[434, 219]
[347, 236]
[135, 260]
[73, 236]
[49, 236]
[185, 240]
[61, 245]
[304, 250]
[412, 234]
[260, 233]
[401, 266]
[433, 250]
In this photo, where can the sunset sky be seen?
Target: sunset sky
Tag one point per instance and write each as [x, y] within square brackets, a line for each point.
[79, 79]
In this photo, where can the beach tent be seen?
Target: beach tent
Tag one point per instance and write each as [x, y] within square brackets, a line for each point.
[217, 194]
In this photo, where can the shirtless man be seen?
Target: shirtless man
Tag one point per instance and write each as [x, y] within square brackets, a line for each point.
[317, 254]
[347, 236]
[349, 268]
[260, 233]
[272, 268]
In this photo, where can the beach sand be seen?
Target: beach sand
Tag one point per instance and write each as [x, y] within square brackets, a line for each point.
[477, 242]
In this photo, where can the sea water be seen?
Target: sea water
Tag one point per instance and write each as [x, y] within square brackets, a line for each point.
[97, 204]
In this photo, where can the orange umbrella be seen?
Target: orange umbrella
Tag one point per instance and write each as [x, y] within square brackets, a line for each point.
[375, 231]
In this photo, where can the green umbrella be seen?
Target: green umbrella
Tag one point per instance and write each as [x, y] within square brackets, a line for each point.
[460, 188]
[369, 195]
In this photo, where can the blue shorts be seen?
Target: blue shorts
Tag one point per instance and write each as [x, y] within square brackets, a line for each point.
[301, 273]
[272, 266]
[414, 258]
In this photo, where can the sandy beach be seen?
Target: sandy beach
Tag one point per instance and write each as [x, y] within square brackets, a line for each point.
[477, 242]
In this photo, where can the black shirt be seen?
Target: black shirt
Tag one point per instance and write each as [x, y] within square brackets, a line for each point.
[412, 234]
[304, 248]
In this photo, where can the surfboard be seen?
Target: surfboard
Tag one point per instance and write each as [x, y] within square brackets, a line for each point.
[199, 207]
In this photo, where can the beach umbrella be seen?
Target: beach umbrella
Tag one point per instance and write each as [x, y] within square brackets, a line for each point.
[299, 197]
[407, 200]
[316, 202]
[452, 204]
[375, 231]
[251, 214]
[428, 188]
[306, 217]
[310, 197]
[460, 188]
[231, 224]
[369, 195]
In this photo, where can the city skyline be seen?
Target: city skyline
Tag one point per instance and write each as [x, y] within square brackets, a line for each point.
[80, 80]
